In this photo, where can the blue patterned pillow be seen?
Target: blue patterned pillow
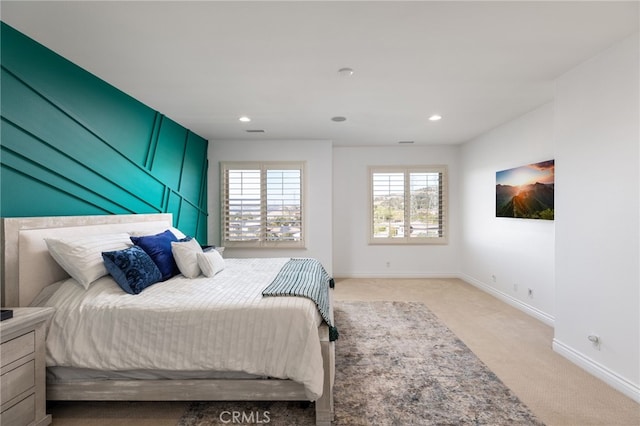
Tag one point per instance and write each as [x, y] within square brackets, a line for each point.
[132, 269]
[158, 247]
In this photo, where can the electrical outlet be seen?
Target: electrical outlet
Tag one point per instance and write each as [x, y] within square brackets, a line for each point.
[493, 278]
[595, 340]
[388, 264]
[530, 292]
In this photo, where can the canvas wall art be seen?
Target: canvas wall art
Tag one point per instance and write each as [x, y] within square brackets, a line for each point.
[526, 192]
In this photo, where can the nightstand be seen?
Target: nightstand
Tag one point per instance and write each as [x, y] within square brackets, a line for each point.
[22, 367]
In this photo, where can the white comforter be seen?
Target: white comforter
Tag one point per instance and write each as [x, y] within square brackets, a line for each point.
[221, 323]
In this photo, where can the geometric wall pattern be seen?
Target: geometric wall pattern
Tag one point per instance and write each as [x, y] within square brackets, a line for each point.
[72, 144]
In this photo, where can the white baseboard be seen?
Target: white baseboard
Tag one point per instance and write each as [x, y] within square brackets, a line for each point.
[528, 309]
[609, 377]
[391, 275]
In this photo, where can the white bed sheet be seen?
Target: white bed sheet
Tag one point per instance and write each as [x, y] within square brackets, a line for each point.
[220, 323]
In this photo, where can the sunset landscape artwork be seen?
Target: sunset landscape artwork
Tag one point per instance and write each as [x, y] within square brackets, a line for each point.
[526, 192]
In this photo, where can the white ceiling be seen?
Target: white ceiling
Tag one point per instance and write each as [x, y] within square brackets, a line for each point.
[204, 64]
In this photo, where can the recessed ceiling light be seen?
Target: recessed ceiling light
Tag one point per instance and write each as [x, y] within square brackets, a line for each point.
[254, 131]
[345, 72]
[244, 119]
[338, 119]
[435, 117]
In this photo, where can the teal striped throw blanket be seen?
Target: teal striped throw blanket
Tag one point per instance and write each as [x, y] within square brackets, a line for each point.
[305, 277]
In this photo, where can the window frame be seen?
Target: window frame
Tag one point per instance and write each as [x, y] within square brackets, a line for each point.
[263, 166]
[443, 206]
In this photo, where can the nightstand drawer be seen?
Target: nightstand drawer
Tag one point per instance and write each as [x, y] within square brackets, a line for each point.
[22, 368]
[15, 349]
[23, 413]
[17, 381]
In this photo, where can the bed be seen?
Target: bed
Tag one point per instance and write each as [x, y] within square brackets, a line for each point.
[223, 369]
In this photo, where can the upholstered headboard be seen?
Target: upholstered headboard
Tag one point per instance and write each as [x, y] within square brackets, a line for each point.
[27, 266]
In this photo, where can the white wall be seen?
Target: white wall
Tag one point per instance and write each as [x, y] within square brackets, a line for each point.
[352, 255]
[519, 253]
[318, 198]
[583, 268]
[597, 221]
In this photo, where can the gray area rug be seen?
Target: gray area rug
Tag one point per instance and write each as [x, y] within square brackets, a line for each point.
[396, 364]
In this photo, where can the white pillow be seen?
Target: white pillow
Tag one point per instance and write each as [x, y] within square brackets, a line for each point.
[152, 231]
[211, 262]
[81, 257]
[184, 254]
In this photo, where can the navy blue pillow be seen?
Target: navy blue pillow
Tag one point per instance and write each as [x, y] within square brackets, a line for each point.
[158, 247]
[132, 269]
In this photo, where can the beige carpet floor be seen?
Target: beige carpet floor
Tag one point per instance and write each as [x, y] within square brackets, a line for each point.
[512, 344]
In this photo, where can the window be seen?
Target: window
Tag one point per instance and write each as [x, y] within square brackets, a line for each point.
[408, 205]
[262, 204]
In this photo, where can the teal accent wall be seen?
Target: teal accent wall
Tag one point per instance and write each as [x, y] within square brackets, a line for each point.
[72, 144]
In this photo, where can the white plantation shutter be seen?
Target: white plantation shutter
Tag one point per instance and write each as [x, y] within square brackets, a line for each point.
[284, 204]
[262, 204]
[408, 205]
[427, 216]
[388, 203]
[242, 205]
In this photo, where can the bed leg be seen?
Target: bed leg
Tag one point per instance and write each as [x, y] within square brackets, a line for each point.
[324, 405]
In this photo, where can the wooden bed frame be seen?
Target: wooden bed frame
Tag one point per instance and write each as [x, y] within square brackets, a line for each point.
[27, 268]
